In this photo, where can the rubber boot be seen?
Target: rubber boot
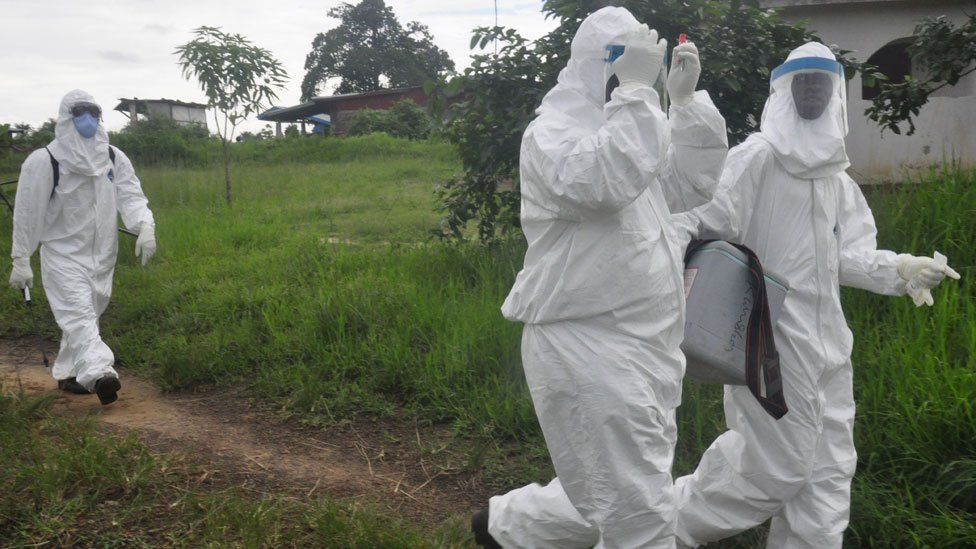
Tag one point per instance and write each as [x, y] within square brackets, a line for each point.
[107, 389]
[479, 525]
[71, 385]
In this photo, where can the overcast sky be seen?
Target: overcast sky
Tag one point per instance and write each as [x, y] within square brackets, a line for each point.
[124, 48]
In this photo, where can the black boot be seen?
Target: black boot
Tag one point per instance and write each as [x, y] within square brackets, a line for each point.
[479, 525]
[107, 389]
[71, 385]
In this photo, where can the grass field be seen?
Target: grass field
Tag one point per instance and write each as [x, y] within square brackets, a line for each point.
[321, 291]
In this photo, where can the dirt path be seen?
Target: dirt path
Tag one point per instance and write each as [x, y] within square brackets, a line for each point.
[222, 432]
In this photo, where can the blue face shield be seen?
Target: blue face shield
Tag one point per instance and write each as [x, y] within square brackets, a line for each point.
[86, 124]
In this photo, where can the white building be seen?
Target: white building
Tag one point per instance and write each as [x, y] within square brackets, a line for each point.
[180, 112]
[877, 31]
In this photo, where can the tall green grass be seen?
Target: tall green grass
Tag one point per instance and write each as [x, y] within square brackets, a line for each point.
[915, 377]
[320, 291]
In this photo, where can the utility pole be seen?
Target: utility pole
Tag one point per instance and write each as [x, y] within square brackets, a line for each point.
[496, 25]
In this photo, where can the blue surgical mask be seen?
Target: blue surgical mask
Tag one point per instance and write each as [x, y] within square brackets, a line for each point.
[86, 124]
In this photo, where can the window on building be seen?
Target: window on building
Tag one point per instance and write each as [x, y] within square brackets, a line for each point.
[893, 61]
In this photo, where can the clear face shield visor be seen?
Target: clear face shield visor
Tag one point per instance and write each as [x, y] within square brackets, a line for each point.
[816, 86]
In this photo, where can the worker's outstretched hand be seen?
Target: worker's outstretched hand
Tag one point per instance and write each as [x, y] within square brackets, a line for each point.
[21, 276]
[146, 243]
[924, 273]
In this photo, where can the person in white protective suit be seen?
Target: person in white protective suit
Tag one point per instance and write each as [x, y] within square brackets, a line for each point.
[785, 194]
[75, 224]
[600, 290]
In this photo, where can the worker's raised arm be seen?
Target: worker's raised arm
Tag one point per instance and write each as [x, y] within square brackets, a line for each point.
[699, 145]
[699, 142]
[581, 176]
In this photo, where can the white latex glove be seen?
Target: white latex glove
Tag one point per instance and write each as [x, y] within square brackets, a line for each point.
[684, 73]
[642, 59]
[923, 274]
[21, 276]
[146, 243]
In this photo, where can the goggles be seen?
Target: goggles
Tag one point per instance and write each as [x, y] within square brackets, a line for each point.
[79, 109]
[613, 52]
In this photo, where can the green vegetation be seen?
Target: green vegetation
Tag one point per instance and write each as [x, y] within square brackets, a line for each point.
[370, 49]
[405, 119]
[238, 78]
[321, 291]
[161, 140]
[66, 484]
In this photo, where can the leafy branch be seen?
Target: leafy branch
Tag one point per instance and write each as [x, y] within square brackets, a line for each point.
[946, 54]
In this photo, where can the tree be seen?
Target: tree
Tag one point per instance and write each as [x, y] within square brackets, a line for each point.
[370, 49]
[237, 77]
[946, 52]
[740, 44]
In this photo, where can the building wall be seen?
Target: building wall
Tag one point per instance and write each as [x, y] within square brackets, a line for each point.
[341, 121]
[178, 113]
[189, 115]
[344, 110]
[945, 125]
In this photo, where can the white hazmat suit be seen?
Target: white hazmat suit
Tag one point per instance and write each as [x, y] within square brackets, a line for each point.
[76, 227]
[600, 296]
[784, 193]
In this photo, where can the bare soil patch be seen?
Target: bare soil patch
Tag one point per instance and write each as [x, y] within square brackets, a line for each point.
[393, 465]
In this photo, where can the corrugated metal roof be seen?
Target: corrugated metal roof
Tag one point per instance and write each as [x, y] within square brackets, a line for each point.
[321, 104]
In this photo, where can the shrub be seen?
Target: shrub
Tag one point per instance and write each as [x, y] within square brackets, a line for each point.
[406, 119]
[159, 139]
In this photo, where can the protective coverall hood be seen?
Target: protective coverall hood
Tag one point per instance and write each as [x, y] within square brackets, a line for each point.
[75, 153]
[808, 149]
[581, 88]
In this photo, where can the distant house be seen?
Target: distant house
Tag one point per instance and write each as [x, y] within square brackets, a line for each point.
[878, 31]
[340, 109]
[321, 123]
[178, 111]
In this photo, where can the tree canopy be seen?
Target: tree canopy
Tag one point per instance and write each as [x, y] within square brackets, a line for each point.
[370, 49]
